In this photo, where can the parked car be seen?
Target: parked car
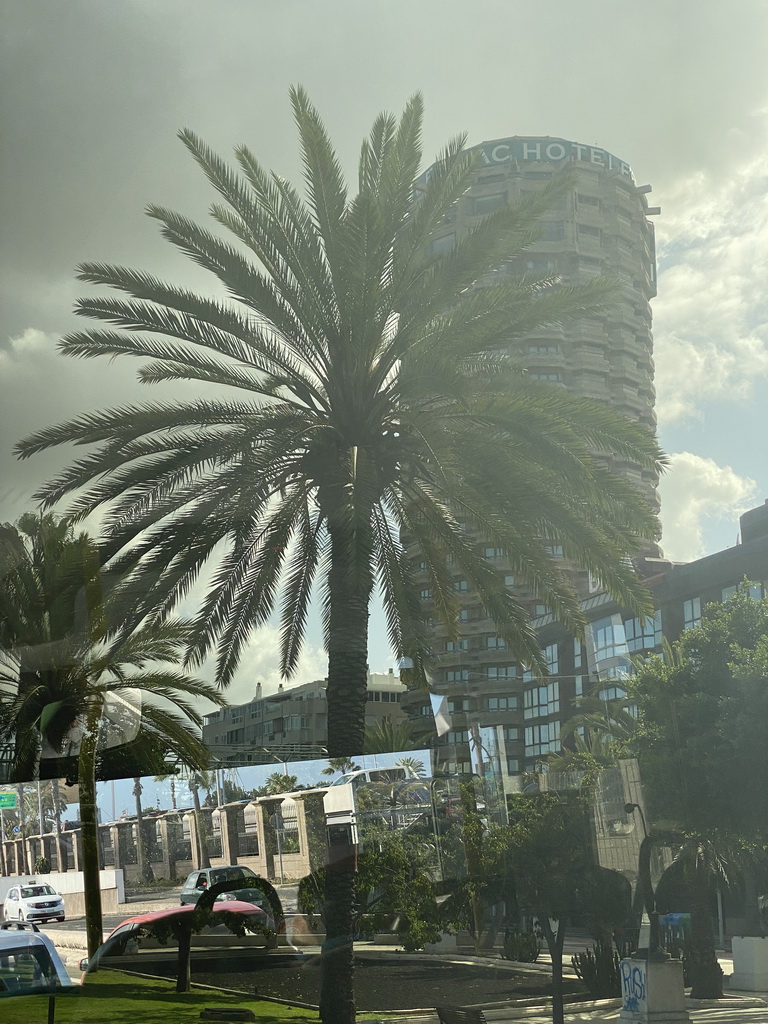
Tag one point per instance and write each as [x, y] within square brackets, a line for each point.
[33, 901]
[257, 898]
[198, 881]
[29, 963]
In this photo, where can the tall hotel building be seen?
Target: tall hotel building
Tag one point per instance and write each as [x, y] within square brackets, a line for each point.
[601, 227]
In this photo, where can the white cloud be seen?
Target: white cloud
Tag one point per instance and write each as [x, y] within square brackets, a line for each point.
[711, 316]
[696, 490]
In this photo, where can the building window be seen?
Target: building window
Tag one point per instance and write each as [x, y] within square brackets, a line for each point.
[457, 736]
[458, 705]
[542, 700]
[457, 675]
[501, 672]
[552, 231]
[493, 552]
[587, 229]
[555, 550]
[502, 703]
[511, 733]
[691, 612]
[442, 246]
[587, 200]
[425, 594]
[513, 765]
[543, 350]
[539, 609]
[578, 686]
[553, 378]
[509, 581]
[451, 646]
[609, 638]
[460, 586]
[550, 657]
[481, 205]
[643, 637]
[578, 654]
[497, 643]
[755, 591]
[542, 739]
[464, 615]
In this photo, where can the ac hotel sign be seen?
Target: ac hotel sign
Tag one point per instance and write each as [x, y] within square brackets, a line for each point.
[546, 148]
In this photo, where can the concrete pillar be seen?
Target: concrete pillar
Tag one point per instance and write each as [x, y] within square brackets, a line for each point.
[168, 843]
[77, 849]
[194, 839]
[229, 826]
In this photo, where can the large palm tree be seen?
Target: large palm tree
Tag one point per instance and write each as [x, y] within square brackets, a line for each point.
[358, 394]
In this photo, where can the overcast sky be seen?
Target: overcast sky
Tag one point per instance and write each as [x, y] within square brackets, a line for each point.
[93, 93]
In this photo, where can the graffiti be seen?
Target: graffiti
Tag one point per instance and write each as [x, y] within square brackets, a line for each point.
[633, 985]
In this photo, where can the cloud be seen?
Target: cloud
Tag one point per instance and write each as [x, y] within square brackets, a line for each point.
[711, 316]
[260, 661]
[695, 490]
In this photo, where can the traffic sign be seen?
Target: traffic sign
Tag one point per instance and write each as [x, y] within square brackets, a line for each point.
[8, 801]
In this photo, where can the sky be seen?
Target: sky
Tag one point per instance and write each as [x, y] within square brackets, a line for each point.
[93, 94]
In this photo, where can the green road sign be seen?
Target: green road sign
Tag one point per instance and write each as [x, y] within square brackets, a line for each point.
[8, 801]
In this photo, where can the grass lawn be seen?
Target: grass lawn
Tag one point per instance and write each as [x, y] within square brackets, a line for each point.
[112, 998]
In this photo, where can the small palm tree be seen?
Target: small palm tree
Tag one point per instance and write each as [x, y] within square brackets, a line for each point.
[386, 736]
[340, 766]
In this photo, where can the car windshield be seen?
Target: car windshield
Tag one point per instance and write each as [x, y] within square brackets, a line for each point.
[383, 524]
[25, 969]
[29, 891]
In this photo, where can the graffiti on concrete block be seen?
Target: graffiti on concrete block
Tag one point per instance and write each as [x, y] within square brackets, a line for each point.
[633, 985]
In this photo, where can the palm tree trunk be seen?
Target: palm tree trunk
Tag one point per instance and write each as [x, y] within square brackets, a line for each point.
[555, 946]
[146, 874]
[56, 803]
[89, 830]
[349, 596]
[203, 859]
[25, 868]
[703, 968]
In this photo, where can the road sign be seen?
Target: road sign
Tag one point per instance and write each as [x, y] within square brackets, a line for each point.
[8, 801]
[16, 830]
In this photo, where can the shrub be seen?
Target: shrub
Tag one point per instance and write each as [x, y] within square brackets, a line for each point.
[600, 969]
[42, 866]
[522, 947]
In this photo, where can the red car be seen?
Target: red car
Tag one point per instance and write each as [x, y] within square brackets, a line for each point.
[151, 943]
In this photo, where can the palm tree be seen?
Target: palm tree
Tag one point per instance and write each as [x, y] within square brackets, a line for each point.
[44, 572]
[201, 780]
[102, 670]
[340, 766]
[371, 399]
[386, 736]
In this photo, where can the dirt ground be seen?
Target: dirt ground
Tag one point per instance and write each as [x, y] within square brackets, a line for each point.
[393, 984]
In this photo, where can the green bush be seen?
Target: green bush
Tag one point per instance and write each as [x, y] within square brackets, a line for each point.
[600, 968]
[42, 866]
[522, 947]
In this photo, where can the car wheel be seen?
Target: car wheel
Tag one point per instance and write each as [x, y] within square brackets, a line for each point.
[60, 919]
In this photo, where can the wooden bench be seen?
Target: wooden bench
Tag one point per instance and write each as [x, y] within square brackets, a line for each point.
[457, 1015]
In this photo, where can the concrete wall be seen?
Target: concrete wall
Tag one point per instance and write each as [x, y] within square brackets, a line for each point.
[71, 886]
